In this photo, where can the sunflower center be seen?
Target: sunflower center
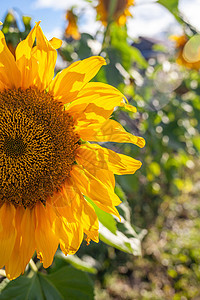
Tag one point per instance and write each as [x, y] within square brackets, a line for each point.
[14, 147]
[37, 146]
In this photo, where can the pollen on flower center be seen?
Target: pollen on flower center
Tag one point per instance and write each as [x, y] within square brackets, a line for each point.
[37, 146]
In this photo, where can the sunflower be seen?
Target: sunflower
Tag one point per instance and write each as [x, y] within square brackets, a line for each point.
[180, 44]
[120, 14]
[72, 28]
[47, 163]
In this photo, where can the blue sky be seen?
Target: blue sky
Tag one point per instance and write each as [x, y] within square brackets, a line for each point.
[50, 18]
[150, 19]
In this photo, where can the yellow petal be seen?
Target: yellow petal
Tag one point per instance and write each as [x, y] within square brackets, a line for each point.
[95, 103]
[71, 205]
[110, 131]
[128, 107]
[89, 155]
[24, 48]
[24, 244]
[37, 63]
[90, 222]
[67, 84]
[70, 235]
[25, 62]
[45, 238]
[96, 188]
[45, 54]
[28, 230]
[68, 202]
[7, 232]
[10, 76]
[55, 43]
[13, 268]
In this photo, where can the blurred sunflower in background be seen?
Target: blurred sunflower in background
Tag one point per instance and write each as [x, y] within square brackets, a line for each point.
[180, 42]
[47, 165]
[72, 28]
[120, 14]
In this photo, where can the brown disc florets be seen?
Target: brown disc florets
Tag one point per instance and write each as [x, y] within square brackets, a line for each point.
[37, 146]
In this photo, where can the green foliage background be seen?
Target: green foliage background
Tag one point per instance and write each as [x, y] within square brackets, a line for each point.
[154, 252]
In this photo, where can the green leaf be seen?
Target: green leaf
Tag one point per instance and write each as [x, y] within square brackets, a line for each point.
[66, 52]
[113, 75]
[76, 262]
[65, 284]
[83, 50]
[72, 284]
[125, 239]
[120, 235]
[125, 211]
[49, 290]
[23, 288]
[137, 57]
[172, 6]
[120, 193]
[128, 54]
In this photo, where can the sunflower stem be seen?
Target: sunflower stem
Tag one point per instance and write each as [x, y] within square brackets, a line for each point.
[33, 265]
[106, 37]
[2, 273]
[112, 7]
[38, 265]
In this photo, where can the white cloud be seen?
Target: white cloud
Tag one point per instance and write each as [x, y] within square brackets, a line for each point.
[152, 19]
[149, 19]
[58, 4]
[87, 21]
[57, 32]
[191, 11]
